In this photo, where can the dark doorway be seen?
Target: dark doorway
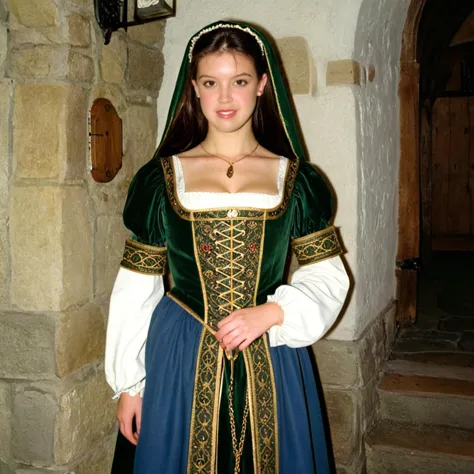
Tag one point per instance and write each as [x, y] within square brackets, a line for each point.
[445, 308]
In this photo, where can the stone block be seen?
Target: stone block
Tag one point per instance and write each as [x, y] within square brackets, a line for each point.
[33, 13]
[145, 69]
[39, 61]
[99, 461]
[51, 247]
[338, 362]
[33, 426]
[79, 30]
[6, 405]
[3, 11]
[86, 415]
[369, 404]
[77, 247]
[151, 34]
[343, 413]
[80, 68]
[298, 64]
[343, 72]
[50, 131]
[113, 60]
[140, 127]
[74, 131]
[80, 338]
[110, 240]
[26, 345]
[36, 223]
[5, 109]
[4, 263]
[33, 470]
[6, 469]
[3, 45]
[51, 35]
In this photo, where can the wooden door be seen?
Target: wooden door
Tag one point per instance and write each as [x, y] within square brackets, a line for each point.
[409, 195]
[452, 174]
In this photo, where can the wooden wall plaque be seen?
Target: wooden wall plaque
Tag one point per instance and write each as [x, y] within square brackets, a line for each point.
[105, 137]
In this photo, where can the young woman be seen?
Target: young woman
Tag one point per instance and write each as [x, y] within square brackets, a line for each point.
[229, 383]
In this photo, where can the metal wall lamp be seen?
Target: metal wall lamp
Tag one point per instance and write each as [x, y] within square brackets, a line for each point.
[114, 14]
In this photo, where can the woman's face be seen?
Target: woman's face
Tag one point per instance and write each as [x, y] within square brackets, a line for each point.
[228, 86]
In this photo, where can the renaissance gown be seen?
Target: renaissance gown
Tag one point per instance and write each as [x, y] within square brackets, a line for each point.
[225, 252]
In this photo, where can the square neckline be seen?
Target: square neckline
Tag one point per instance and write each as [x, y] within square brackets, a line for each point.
[180, 183]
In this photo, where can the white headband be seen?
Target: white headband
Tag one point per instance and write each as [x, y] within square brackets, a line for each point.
[224, 25]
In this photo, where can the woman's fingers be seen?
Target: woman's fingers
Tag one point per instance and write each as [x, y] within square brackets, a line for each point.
[126, 429]
[233, 339]
[138, 421]
[226, 329]
[128, 408]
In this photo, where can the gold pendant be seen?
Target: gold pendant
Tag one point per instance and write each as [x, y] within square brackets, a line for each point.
[230, 171]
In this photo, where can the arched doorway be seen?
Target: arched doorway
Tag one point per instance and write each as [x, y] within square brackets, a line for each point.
[429, 29]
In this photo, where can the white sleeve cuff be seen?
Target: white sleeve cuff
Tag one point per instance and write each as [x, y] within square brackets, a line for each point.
[311, 303]
[134, 298]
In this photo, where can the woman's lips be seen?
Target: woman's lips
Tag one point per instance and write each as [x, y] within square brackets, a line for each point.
[226, 113]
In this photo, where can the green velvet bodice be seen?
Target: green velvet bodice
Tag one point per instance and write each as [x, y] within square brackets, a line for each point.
[225, 259]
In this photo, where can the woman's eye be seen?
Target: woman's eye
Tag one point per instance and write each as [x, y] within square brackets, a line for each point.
[241, 82]
[209, 83]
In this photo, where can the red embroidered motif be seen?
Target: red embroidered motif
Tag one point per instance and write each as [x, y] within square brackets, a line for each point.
[253, 247]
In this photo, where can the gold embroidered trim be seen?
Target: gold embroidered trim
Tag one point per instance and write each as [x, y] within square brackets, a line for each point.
[222, 213]
[202, 450]
[229, 255]
[263, 406]
[144, 258]
[317, 246]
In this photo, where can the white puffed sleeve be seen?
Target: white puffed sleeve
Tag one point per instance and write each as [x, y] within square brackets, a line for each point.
[311, 303]
[134, 298]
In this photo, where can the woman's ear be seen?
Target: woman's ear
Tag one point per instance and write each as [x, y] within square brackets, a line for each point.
[262, 83]
[196, 90]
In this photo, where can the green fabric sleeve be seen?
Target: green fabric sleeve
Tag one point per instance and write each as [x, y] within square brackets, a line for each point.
[144, 212]
[313, 202]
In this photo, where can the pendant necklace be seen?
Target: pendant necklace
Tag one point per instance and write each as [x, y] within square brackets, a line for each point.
[230, 169]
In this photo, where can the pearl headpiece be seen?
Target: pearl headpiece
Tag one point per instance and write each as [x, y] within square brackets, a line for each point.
[224, 25]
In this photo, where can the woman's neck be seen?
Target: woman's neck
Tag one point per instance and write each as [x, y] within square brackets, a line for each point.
[230, 144]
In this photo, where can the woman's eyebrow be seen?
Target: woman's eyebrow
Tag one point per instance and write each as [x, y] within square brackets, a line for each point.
[207, 76]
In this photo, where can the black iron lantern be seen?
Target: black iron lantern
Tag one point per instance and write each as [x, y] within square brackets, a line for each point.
[114, 14]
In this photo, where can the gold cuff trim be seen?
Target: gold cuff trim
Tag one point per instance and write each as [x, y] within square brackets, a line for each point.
[315, 247]
[144, 258]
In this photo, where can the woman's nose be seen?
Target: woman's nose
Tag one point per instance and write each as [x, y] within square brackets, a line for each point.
[225, 94]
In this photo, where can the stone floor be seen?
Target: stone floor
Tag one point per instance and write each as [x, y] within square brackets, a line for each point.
[445, 322]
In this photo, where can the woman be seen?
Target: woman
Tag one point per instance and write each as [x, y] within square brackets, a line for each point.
[229, 383]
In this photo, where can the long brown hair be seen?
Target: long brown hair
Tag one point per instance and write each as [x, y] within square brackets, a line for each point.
[189, 126]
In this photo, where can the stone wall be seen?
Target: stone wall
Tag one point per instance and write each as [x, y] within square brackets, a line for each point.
[349, 372]
[61, 233]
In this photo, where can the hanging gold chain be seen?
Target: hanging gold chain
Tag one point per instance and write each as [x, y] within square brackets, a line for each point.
[237, 448]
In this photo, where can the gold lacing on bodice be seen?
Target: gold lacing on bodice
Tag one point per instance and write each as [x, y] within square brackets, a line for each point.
[229, 255]
[230, 265]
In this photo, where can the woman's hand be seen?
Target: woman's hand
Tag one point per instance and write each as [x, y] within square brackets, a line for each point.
[129, 407]
[243, 326]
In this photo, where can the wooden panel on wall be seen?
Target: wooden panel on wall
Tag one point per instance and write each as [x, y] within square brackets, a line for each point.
[471, 160]
[440, 166]
[453, 173]
[458, 198]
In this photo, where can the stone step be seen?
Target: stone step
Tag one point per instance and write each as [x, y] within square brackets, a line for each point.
[402, 448]
[427, 400]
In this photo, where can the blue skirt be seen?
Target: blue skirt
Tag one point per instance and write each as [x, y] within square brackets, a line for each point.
[171, 350]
